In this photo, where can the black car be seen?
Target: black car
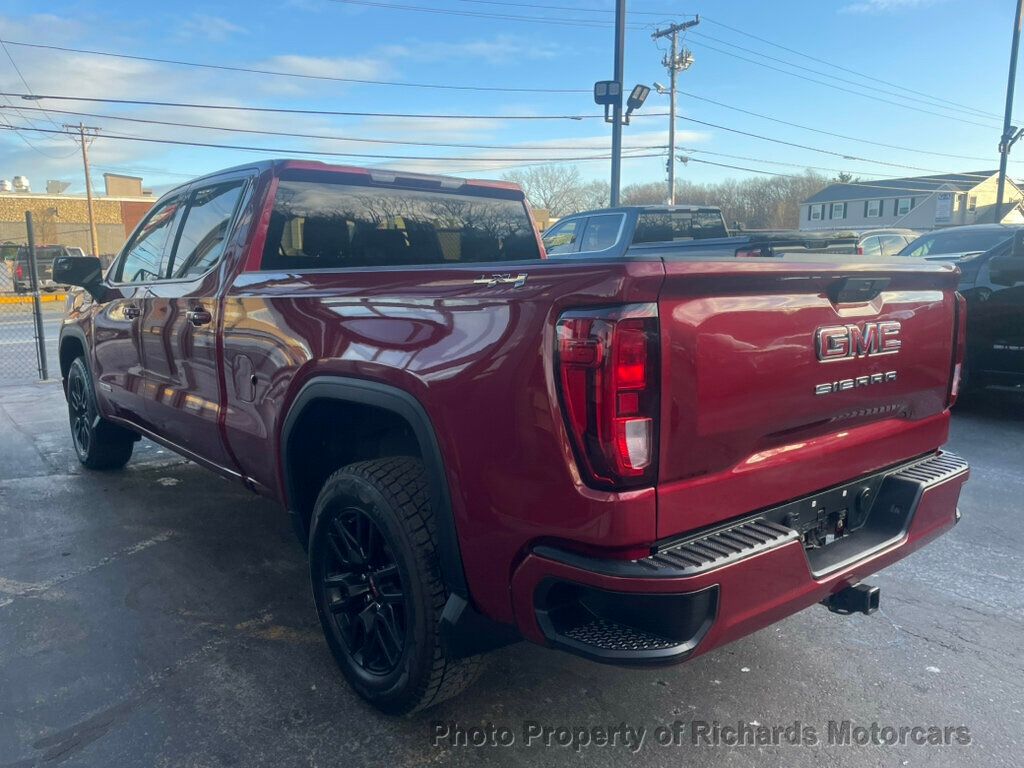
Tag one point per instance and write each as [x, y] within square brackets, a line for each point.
[952, 242]
[45, 255]
[993, 284]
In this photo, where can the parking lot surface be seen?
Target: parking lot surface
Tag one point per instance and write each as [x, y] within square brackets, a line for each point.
[161, 616]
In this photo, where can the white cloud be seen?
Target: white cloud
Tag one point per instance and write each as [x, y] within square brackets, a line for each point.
[313, 66]
[500, 49]
[885, 6]
[44, 25]
[211, 28]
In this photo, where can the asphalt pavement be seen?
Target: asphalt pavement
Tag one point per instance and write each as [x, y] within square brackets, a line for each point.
[161, 616]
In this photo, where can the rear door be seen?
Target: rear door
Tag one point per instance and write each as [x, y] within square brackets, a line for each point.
[179, 323]
[775, 384]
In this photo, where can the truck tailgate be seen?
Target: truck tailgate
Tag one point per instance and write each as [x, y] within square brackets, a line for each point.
[752, 417]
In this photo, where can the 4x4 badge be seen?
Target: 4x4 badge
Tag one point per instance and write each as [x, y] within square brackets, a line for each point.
[516, 281]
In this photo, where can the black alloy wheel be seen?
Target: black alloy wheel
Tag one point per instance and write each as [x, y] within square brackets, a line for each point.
[364, 593]
[79, 413]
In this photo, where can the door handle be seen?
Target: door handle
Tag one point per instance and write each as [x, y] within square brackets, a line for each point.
[198, 316]
[131, 311]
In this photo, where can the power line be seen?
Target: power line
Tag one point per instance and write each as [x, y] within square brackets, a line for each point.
[966, 110]
[291, 151]
[277, 110]
[584, 23]
[865, 184]
[835, 66]
[834, 134]
[21, 77]
[810, 148]
[281, 73]
[284, 111]
[320, 136]
[841, 88]
[574, 9]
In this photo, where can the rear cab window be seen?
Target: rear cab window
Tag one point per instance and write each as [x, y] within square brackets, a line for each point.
[672, 226]
[331, 221]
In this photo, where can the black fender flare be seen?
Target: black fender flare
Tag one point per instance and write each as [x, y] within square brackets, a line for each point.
[73, 332]
[401, 403]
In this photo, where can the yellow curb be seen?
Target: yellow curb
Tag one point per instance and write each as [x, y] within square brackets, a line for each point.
[28, 299]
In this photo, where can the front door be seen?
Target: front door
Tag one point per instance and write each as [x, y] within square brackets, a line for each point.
[117, 364]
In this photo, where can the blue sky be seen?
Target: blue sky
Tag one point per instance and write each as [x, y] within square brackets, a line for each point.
[950, 50]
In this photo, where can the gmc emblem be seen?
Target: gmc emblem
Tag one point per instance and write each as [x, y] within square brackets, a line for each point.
[847, 342]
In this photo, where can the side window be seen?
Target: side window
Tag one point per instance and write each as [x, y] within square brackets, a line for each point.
[601, 232]
[203, 235]
[870, 246]
[892, 244]
[563, 237]
[142, 261]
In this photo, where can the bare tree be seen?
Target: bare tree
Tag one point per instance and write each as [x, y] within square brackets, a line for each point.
[560, 189]
[771, 202]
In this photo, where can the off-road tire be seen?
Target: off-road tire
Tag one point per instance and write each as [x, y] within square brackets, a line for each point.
[391, 493]
[99, 444]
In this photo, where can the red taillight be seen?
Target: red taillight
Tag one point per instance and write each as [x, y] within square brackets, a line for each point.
[19, 272]
[959, 348]
[860, 250]
[606, 363]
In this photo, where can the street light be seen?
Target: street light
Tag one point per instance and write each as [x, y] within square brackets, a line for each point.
[636, 100]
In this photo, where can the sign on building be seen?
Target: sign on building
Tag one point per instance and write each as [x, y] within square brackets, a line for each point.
[943, 207]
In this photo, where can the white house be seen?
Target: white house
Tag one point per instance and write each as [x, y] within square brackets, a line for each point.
[921, 202]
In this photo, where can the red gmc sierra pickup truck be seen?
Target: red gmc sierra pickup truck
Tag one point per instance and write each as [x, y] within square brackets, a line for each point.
[634, 459]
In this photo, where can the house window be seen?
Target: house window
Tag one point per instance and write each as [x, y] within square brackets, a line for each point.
[972, 203]
[838, 211]
[816, 212]
[903, 205]
[873, 209]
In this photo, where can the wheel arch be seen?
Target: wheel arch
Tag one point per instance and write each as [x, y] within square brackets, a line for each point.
[72, 344]
[400, 405]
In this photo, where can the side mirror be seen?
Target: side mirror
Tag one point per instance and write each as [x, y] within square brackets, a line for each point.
[83, 271]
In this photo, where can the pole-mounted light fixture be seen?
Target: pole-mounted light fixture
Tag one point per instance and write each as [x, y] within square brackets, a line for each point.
[636, 100]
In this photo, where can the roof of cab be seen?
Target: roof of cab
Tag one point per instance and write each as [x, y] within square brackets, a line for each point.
[279, 165]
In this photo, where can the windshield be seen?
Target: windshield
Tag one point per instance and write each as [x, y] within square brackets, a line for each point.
[956, 241]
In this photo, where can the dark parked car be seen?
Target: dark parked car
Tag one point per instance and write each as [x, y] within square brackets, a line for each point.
[636, 460]
[955, 241]
[45, 255]
[993, 284]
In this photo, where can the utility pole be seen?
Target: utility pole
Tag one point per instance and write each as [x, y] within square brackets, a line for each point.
[620, 55]
[675, 63]
[1010, 134]
[82, 129]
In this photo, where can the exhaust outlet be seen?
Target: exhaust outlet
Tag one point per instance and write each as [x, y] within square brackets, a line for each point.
[859, 598]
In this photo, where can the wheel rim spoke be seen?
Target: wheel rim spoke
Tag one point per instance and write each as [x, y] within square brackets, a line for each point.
[363, 592]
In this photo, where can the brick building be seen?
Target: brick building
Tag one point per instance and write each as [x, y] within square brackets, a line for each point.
[62, 219]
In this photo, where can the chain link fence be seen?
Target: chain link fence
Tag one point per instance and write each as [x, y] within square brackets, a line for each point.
[20, 358]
